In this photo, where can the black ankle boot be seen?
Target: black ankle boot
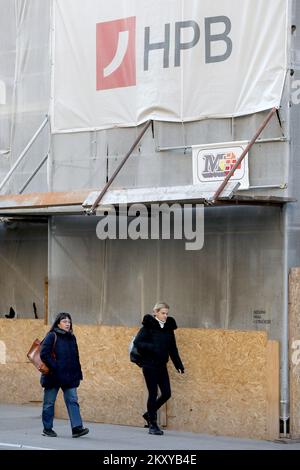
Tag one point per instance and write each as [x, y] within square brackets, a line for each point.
[147, 419]
[154, 429]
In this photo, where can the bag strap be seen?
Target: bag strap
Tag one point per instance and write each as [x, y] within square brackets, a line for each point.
[54, 343]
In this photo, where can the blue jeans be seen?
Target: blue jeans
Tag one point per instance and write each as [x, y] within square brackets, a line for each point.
[71, 401]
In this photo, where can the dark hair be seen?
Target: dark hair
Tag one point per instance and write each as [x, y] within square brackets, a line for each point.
[61, 316]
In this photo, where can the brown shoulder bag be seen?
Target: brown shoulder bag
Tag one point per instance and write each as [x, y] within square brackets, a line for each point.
[35, 357]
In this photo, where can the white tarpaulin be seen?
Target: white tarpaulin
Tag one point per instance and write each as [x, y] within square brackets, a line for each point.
[121, 62]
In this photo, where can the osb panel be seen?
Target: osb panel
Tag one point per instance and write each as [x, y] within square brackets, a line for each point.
[19, 380]
[20, 383]
[224, 388]
[294, 351]
[113, 389]
[223, 391]
[18, 335]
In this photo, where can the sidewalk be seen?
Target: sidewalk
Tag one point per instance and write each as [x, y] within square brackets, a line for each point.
[21, 427]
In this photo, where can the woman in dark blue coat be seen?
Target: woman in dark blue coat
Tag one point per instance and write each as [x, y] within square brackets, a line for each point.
[156, 343]
[59, 351]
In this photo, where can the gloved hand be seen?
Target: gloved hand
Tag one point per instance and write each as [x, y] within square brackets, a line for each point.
[181, 371]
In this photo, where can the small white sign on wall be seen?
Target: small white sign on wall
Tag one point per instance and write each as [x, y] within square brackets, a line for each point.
[213, 162]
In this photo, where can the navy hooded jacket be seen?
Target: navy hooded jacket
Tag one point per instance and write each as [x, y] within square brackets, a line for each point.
[65, 368]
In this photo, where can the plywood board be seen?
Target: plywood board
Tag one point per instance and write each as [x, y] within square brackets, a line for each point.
[228, 387]
[294, 351]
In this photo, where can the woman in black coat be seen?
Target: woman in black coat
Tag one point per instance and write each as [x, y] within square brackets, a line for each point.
[156, 343]
[59, 351]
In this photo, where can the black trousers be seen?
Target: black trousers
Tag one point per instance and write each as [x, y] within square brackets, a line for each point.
[156, 377]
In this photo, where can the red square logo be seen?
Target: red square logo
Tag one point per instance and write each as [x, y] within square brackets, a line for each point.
[115, 54]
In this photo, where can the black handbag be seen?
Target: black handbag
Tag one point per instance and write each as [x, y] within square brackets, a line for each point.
[134, 354]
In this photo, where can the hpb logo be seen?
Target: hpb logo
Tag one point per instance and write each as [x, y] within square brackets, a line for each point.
[115, 54]
[116, 47]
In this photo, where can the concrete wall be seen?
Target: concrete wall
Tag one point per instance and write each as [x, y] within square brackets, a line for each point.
[293, 211]
[230, 386]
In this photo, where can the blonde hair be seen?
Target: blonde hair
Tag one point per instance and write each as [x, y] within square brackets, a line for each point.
[160, 305]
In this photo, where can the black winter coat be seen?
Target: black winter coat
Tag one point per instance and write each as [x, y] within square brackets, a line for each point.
[156, 344]
[65, 368]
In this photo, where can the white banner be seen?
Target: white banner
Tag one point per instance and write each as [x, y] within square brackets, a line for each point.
[213, 162]
[122, 62]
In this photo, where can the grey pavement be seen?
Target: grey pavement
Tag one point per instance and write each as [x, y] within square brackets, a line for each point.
[20, 429]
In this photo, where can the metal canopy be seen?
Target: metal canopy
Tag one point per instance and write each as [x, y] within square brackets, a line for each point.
[76, 202]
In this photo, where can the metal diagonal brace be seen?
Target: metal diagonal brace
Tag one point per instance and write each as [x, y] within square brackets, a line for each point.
[34, 173]
[23, 153]
[242, 156]
[111, 179]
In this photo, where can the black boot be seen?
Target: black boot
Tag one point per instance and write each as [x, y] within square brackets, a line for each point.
[147, 419]
[154, 429]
